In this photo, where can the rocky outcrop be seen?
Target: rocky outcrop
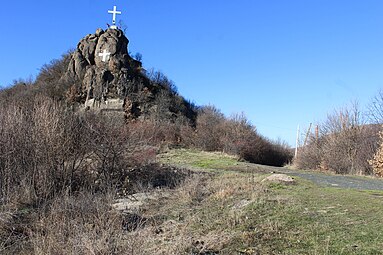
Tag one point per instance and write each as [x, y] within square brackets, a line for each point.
[101, 66]
[104, 75]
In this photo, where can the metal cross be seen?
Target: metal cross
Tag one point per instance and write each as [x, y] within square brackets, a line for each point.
[114, 12]
[105, 55]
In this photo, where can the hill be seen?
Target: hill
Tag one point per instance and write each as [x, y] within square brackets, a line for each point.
[88, 131]
[101, 76]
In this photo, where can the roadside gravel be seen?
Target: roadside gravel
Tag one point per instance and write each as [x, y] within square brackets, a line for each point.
[340, 181]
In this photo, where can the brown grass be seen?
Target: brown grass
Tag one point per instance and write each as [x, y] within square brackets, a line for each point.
[201, 216]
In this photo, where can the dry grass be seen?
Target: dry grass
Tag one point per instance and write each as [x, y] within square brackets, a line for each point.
[203, 215]
[84, 224]
[81, 224]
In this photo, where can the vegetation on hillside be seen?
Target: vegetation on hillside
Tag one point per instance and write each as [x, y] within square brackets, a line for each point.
[61, 168]
[197, 127]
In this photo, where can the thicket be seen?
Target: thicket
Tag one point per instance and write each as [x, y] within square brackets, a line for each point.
[235, 135]
[375, 114]
[377, 161]
[47, 149]
[60, 171]
[344, 144]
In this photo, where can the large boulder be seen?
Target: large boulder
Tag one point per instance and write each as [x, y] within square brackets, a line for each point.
[280, 179]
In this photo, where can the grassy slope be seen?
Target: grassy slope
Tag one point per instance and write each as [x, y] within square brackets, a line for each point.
[231, 211]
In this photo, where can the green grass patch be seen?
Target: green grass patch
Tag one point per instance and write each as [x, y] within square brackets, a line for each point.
[320, 220]
[199, 159]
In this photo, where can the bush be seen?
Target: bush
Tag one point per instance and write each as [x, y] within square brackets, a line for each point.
[260, 150]
[46, 149]
[377, 162]
[237, 136]
[310, 156]
[40, 149]
[209, 129]
[344, 145]
[49, 82]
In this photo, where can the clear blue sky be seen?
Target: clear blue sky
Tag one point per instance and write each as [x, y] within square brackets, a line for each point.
[282, 62]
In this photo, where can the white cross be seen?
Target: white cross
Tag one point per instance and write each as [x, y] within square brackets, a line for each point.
[114, 12]
[105, 55]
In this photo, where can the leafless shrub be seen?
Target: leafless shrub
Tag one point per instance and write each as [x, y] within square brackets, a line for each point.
[154, 176]
[49, 82]
[375, 108]
[81, 224]
[46, 149]
[161, 79]
[20, 93]
[310, 156]
[345, 144]
[209, 130]
[236, 132]
[159, 134]
[109, 150]
[377, 161]
[261, 150]
[235, 135]
[347, 141]
[41, 149]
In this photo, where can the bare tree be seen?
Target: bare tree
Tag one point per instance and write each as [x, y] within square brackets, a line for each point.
[375, 109]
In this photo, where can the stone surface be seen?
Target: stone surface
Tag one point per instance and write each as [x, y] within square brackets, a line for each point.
[279, 178]
[135, 202]
[98, 79]
[94, 83]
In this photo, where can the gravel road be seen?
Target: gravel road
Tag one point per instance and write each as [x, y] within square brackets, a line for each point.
[347, 182]
[323, 179]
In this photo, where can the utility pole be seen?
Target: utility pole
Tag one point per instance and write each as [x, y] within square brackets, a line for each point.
[316, 133]
[297, 143]
[307, 134]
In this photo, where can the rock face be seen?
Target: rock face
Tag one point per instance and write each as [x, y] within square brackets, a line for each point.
[104, 76]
